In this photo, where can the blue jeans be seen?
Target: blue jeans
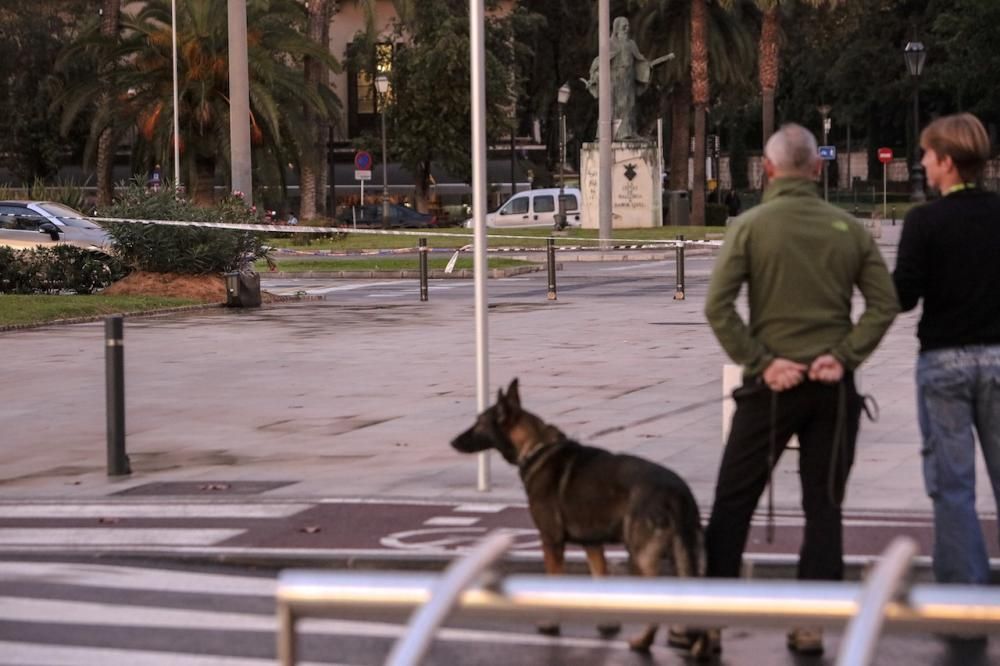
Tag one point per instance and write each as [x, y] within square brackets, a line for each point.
[958, 389]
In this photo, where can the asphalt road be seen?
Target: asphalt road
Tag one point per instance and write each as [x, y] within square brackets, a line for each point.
[118, 614]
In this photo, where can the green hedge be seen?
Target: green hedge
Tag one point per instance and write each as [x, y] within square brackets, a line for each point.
[60, 268]
[174, 249]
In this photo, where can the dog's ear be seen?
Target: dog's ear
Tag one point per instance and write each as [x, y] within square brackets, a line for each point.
[513, 397]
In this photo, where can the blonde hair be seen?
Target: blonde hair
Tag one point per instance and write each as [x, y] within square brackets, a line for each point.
[962, 138]
[792, 150]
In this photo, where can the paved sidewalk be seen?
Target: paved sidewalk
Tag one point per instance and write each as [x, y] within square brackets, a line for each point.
[361, 400]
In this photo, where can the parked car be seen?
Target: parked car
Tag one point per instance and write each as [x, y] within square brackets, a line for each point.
[400, 217]
[536, 208]
[26, 224]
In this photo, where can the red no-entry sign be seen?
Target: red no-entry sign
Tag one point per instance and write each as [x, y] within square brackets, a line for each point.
[885, 155]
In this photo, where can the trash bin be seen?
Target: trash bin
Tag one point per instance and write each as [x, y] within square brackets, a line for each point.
[242, 290]
[680, 207]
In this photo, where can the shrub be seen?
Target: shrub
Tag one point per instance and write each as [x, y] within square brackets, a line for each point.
[181, 249]
[715, 215]
[56, 269]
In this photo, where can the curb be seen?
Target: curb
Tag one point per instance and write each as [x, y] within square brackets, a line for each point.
[272, 299]
[436, 274]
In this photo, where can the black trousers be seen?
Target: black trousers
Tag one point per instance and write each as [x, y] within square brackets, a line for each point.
[812, 411]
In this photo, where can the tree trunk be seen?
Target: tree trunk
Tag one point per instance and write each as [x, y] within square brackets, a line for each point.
[110, 11]
[309, 160]
[422, 187]
[698, 191]
[770, 50]
[700, 99]
[323, 132]
[204, 187]
[680, 136]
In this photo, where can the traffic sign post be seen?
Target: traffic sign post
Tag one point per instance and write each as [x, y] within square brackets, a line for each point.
[362, 171]
[885, 157]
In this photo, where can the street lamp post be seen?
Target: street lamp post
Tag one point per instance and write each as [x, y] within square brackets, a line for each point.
[915, 55]
[563, 96]
[827, 123]
[382, 85]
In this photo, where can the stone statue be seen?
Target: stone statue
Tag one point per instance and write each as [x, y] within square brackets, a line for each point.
[630, 74]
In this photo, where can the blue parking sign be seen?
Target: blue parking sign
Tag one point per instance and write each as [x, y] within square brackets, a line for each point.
[828, 152]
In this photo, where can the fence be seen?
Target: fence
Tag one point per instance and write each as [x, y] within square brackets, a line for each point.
[471, 588]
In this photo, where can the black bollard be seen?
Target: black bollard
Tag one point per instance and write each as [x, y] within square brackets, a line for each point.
[893, 216]
[679, 263]
[423, 269]
[550, 251]
[114, 371]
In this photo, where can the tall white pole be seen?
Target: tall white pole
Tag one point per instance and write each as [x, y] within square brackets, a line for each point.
[177, 132]
[239, 99]
[604, 122]
[477, 55]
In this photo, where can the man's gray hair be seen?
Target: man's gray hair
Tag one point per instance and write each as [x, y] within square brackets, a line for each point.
[792, 150]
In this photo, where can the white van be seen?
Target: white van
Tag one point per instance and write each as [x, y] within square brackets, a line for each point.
[535, 208]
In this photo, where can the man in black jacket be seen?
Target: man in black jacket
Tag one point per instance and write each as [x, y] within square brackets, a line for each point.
[948, 256]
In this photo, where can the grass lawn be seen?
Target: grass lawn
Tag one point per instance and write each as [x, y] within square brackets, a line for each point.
[457, 237]
[381, 264]
[18, 309]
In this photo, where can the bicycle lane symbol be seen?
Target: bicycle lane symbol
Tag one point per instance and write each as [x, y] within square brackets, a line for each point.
[454, 539]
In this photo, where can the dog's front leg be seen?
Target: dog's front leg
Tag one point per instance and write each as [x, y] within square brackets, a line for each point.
[599, 568]
[555, 559]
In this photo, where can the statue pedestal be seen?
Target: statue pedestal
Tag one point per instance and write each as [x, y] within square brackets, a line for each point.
[636, 185]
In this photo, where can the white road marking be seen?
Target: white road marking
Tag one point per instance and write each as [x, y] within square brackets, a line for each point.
[159, 510]
[17, 609]
[456, 521]
[108, 576]
[480, 508]
[122, 536]
[25, 654]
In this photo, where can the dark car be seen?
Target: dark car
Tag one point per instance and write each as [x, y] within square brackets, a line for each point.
[400, 217]
[26, 224]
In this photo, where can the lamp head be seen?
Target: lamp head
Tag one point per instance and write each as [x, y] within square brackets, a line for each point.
[564, 92]
[382, 84]
[915, 55]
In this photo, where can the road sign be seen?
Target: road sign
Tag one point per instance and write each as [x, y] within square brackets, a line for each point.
[360, 174]
[885, 155]
[828, 152]
[362, 161]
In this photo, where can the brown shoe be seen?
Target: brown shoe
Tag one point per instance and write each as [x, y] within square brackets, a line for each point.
[698, 643]
[806, 640]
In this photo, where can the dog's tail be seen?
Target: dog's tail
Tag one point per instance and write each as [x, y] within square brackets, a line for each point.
[689, 543]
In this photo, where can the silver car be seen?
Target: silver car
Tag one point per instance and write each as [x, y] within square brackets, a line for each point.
[27, 224]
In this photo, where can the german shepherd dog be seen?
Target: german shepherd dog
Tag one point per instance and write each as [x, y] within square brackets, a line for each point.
[590, 497]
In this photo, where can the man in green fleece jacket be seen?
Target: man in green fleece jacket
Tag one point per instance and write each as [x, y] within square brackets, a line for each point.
[801, 259]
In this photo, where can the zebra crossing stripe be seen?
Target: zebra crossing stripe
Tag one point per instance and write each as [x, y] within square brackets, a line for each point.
[158, 510]
[29, 654]
[115, 536]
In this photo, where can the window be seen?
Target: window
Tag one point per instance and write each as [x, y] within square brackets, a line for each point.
[545, 203]
[518, 206]
[362, 96]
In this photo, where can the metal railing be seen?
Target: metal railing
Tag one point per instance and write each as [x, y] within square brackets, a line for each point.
[865, 607]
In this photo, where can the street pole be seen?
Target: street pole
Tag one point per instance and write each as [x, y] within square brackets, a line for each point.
[382, 86]
[239, 100]
[914, 54]
[604, 122]
[562, 97]
[177, 132]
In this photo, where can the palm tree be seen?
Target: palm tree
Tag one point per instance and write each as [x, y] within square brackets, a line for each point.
[110, 11]
[769, 56]
[315, 71]
[141, 86]
[712, 46]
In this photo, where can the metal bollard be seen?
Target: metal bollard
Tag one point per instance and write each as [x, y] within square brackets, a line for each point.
[114, 372]
[550, 251]
[679, 264]
[423, 269]
[893, 216]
